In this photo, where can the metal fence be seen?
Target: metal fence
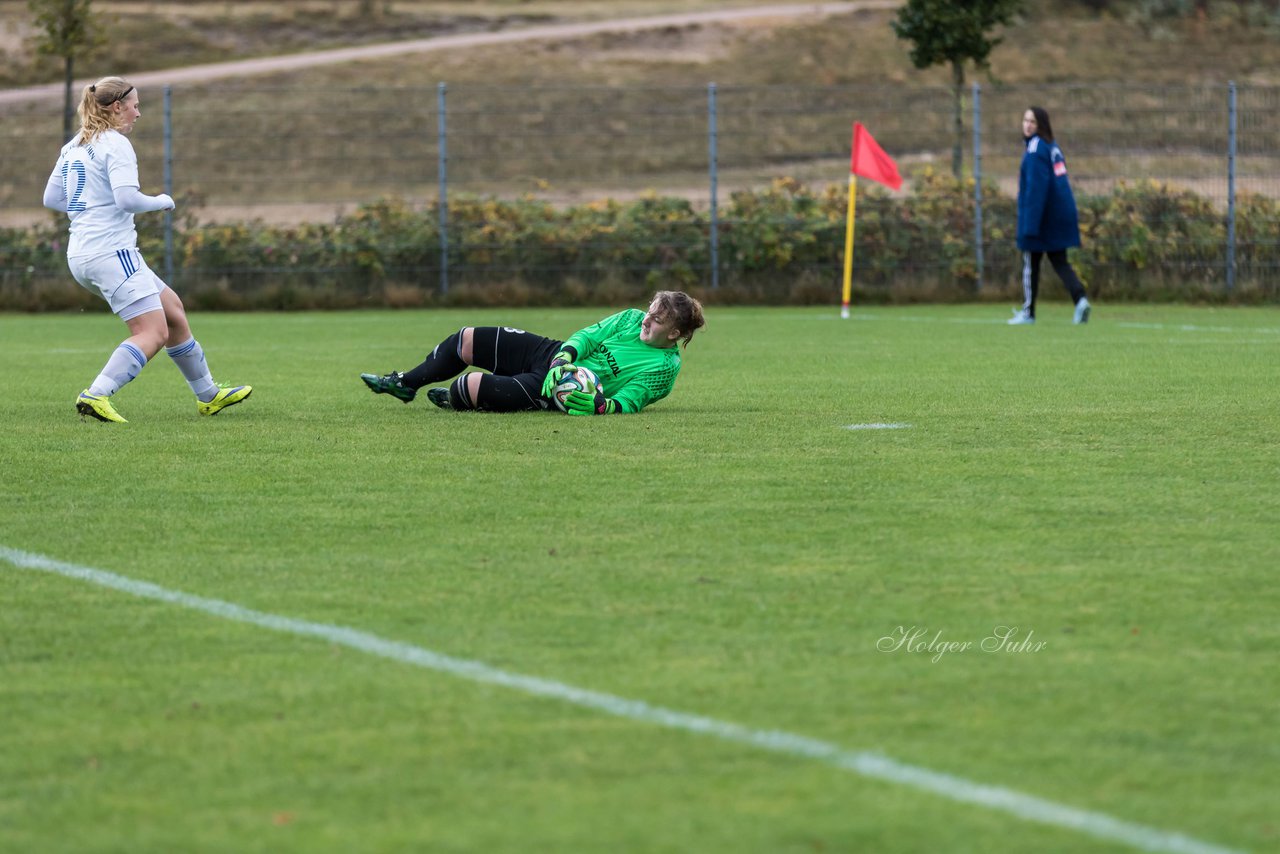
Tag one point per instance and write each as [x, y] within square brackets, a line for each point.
[250, 152]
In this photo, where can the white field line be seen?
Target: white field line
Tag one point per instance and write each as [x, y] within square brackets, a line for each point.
[1177, 327]
[1190, 327]
[872, 765]
[893, 425]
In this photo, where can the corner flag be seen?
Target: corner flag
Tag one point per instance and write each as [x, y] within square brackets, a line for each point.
[868, 160]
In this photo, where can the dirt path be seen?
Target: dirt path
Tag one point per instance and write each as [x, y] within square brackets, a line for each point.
[268, 65]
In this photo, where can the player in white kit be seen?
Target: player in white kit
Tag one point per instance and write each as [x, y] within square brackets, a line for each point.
[95, 181]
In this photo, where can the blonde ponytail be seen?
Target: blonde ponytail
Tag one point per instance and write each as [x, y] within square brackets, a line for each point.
[95, 106]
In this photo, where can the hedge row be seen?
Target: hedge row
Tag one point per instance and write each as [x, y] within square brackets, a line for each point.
[783, 244]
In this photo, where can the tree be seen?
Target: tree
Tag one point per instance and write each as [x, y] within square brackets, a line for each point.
[67, 28]
[953, 32]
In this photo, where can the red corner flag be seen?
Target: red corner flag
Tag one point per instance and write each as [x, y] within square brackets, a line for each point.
[869, 160]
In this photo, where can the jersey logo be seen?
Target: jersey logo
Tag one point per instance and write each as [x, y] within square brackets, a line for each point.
[1060, 168]
[610, 360]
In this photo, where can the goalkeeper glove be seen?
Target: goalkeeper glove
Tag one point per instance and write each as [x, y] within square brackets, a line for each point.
[581, 403]
[560, 365]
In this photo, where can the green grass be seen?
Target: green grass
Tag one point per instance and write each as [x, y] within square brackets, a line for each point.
[733, 552]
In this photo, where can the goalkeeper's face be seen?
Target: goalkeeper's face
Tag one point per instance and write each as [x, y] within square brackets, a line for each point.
[658, 328]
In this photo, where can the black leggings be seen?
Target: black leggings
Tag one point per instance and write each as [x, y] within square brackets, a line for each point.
[1031, 277]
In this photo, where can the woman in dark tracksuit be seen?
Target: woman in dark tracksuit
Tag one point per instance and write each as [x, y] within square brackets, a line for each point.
[1047, 219]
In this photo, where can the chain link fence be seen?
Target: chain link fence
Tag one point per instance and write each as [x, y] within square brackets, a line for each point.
[235, 152]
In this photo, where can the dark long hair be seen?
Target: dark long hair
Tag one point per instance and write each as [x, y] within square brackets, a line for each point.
[1044, 128]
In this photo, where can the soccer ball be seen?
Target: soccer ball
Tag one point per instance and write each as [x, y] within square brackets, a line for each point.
[580, 379]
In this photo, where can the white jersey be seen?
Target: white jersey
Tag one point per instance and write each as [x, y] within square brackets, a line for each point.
[89, 174]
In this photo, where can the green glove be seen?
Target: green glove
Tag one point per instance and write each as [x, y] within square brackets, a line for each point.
[581, 403]
[560, 365]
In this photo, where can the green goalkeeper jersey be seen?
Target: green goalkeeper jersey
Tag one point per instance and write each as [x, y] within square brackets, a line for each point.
[632, 373]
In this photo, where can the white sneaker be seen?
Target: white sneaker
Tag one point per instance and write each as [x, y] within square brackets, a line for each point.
[1021, 317]
[1082, 311]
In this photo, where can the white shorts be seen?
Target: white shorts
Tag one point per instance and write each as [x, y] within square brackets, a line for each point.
[121, 278]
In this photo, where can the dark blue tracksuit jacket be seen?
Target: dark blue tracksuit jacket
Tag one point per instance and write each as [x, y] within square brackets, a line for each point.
[1047, 218]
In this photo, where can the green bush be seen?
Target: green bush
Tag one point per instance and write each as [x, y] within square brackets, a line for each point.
[777, 245]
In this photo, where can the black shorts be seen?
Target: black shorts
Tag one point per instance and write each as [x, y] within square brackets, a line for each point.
[508, 352]
[518, 362]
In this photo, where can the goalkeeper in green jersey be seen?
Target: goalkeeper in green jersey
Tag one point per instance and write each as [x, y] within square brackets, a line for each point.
[635, 353]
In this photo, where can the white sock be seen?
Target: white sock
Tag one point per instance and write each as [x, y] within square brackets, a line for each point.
[189, 357]
[124, 365]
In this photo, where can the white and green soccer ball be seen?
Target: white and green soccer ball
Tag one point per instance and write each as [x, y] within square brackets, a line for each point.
[579, 379]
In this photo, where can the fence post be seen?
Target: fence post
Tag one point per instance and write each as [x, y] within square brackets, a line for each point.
[168, 183]
[977, 184]
[1231, 186]
[442, 173]
[713, 161]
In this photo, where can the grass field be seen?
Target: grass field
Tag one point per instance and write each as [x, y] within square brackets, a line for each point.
[736, 556]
